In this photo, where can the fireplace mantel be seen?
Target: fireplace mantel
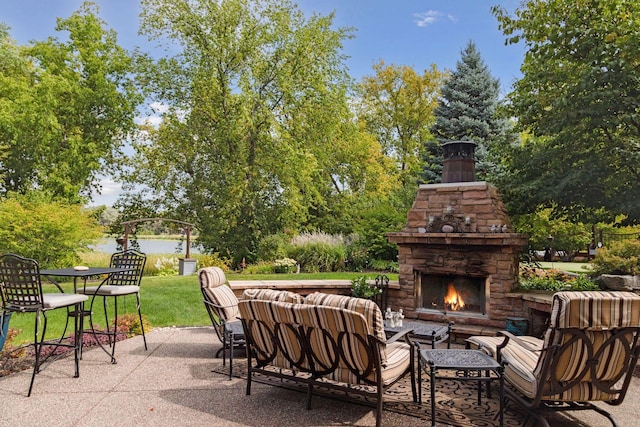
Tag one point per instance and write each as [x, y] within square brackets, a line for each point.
[463, 239]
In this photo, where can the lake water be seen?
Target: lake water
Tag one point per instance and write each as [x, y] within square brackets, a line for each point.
[148, 246]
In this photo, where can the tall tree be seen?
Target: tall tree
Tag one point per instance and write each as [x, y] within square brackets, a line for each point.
[257, 136]
[67, 108]
[580, 101]
[468, 108]
[397, 107]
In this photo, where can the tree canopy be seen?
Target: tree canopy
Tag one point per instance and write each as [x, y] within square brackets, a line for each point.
[66, 107]
[468, 108]
[257, 136]
[578, 101]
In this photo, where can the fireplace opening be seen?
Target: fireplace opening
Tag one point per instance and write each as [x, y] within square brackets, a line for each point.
[454, 294]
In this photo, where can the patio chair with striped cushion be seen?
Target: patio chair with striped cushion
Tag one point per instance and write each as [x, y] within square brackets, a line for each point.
[222, 306]
[588, 354]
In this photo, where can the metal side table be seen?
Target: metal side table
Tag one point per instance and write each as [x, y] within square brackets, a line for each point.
[468, 365]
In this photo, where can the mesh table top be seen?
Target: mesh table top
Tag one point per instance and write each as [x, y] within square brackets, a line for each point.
[458, 359]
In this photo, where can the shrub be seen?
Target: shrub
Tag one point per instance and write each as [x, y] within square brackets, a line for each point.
[360, 288]
[285, 265]
[621, 257]
[50, 231]
[213, 260]
[318, 252]
[261, 267]
[357, 255]
[384, 265]
[272, 247]
[129, 324]
[166, 266]
[554, 280]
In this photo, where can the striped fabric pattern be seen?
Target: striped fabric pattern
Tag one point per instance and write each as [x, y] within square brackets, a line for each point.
[272, 295]
[584, 327]
[367, 308]
[338, 338]
[595, 310]
[213, 283]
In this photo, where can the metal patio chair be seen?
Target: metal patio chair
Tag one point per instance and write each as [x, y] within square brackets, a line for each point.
[21, 290]
[588, 354]
[222, 306]
[118, 285]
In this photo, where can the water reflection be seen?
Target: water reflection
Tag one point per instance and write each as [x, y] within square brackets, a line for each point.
[148, 246]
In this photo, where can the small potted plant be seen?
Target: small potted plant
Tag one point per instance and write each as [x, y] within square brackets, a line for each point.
[360, 288]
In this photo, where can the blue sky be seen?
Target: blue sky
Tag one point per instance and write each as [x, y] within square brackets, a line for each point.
[416, 33]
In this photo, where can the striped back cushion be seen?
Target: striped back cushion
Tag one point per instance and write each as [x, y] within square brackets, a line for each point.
[272, 295]
[595, 310]
[213, 284]
[596, 315]
[323, 325]
[367, 308]
[260, 317]
[348, 329]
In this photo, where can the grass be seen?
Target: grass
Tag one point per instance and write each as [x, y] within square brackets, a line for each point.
[177, 301]
[165, 301]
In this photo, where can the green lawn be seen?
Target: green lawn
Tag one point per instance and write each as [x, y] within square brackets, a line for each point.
[177, 300]
[165, 301]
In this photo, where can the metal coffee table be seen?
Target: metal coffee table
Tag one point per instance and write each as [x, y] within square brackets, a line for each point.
[431, 333]
[468, 365]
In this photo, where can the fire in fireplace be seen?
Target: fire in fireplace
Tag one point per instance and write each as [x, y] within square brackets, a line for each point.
[451, 293]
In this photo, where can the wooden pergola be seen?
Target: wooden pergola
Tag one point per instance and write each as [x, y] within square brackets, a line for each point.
[128, 224]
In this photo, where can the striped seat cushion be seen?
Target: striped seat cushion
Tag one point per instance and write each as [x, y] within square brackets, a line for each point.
[272, 295]
[489, 344]
[213, 284]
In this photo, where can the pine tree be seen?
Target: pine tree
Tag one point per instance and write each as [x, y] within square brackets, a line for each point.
[467, 109]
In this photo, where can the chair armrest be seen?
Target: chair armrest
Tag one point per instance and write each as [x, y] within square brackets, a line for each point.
[402, 334]
[509, 336]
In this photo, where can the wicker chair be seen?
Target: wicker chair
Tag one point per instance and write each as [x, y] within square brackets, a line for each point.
[588, 354]
[222, 307]
[21, 288]
[115, 286]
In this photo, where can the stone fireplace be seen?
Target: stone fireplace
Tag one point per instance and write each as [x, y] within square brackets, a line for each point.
[458, 256]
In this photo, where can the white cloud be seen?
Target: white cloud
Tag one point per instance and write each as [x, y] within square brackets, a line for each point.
[424, 19]
[110, 187]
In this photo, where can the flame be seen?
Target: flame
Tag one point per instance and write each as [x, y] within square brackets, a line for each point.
[453, 298]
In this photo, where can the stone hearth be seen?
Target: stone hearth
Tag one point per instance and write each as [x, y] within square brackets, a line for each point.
[458, 229]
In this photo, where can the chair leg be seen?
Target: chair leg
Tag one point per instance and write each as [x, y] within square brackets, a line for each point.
[77, 333]
[144, 337]
[38, 348]
[231, 343]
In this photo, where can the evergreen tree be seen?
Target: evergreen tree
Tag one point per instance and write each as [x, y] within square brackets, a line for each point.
[467, 110]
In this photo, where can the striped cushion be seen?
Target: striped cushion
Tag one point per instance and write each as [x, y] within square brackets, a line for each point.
[367, 308]
[272, 295]
[324, 325]
[213, 283]
[579, 321]
[489, 344]
[595, 310]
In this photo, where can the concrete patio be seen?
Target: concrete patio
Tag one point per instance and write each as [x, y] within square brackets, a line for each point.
[172, 384]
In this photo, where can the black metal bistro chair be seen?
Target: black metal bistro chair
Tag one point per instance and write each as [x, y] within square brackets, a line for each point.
[21, 290]
[118, 285]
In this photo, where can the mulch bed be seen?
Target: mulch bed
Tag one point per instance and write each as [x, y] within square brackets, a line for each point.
[16, 359]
